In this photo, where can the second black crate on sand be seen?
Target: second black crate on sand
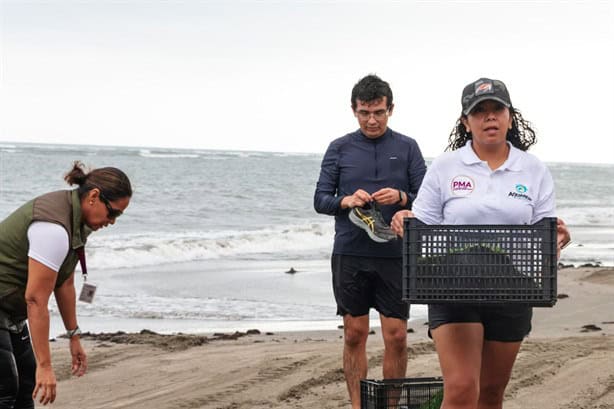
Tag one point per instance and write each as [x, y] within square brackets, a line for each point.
[408, 393]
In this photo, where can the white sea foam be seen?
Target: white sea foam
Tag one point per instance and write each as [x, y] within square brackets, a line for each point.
[221, 309]
[587, 215]
[134, 250]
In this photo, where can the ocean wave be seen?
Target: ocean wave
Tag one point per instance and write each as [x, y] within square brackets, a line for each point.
[147, 153]
[601, 216]
[107, 252]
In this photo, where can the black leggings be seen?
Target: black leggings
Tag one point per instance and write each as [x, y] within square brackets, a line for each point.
[17, 370]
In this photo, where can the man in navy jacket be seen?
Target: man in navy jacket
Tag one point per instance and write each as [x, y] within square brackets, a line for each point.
[372, 164]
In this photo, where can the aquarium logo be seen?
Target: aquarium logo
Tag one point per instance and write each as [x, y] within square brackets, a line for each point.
[462, 185]
[520, 193]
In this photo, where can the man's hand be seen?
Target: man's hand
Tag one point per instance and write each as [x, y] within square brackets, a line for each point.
[387, 196]
[397, 221]
[79, 357]
[358, 199]
[45, 383]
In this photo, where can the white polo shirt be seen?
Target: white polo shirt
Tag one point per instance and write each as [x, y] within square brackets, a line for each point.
[460, 188]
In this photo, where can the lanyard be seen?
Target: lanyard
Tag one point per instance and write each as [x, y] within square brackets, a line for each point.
[81, 253]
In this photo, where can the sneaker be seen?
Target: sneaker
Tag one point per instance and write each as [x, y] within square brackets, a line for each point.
[372, 221]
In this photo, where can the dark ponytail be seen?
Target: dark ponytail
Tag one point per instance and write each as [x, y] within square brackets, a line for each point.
[113, 183]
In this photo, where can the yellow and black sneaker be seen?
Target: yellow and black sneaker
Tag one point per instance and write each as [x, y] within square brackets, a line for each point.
[371, 220]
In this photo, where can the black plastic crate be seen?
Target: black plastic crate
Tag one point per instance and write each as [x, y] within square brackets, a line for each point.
[408, 393]
[480, 264]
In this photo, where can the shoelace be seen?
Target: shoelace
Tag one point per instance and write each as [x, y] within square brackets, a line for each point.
[368, 220]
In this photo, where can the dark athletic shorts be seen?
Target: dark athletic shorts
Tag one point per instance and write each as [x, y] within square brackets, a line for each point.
[505, 323]
[361, 283]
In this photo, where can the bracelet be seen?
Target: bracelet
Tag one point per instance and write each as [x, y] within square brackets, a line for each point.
[400, 197]
[72, 332]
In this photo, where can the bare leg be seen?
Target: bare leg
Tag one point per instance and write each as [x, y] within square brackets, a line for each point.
[394, 331]
[497, 361]
[459, 347]
[356, 331]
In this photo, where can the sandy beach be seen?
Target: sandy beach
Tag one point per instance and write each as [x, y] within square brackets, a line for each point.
[566, 363]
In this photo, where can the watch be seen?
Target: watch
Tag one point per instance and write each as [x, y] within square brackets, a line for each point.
[72, 332]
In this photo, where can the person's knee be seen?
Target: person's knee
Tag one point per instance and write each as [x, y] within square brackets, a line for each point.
[9, 380]
[461, 390]
[395, 334]
[395, 338]
[355, 334]
[491, 392]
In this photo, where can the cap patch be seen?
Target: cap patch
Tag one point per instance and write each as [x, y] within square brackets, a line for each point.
[484, 88]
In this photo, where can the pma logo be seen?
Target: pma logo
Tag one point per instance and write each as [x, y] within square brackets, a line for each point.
[521, 188]
[462, 185]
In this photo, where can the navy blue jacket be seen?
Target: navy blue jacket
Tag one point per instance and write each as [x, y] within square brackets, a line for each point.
[355, 162]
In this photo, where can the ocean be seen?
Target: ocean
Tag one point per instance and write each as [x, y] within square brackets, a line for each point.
[209, 235]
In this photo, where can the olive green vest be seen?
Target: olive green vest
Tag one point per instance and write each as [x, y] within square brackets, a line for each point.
[62, 207]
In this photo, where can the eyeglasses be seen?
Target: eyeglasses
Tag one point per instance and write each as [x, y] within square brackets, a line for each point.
[365, 115]
[111, 212]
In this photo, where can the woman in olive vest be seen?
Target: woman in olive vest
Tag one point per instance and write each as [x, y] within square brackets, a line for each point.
[40, 245]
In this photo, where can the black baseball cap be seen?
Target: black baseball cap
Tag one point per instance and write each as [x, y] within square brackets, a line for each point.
[482, 90]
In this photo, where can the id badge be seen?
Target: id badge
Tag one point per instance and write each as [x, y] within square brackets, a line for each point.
[87, 293]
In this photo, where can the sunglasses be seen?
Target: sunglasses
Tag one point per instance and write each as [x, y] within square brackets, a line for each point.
[111, 212]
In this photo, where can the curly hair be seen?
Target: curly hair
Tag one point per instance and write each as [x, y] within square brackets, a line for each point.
[521, 136]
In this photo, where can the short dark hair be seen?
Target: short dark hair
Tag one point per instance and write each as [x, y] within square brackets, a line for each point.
[371, 88]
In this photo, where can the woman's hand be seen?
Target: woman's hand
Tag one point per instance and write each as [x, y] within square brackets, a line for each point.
[397, 221]
[45, 384]
[563, 238]
[79, 357]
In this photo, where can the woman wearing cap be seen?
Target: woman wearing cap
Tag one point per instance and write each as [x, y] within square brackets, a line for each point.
[477, 346]
[40, 245]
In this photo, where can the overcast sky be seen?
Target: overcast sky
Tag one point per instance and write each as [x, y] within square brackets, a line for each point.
[277, 76]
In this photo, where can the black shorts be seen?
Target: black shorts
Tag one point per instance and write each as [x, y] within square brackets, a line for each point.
[505, 323]
[361, 283]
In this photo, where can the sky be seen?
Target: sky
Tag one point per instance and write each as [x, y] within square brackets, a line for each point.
[277, 76]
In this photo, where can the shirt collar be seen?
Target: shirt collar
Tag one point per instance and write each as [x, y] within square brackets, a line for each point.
[468, 155]
[512, 163]
[514, 159]
[375, 140]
